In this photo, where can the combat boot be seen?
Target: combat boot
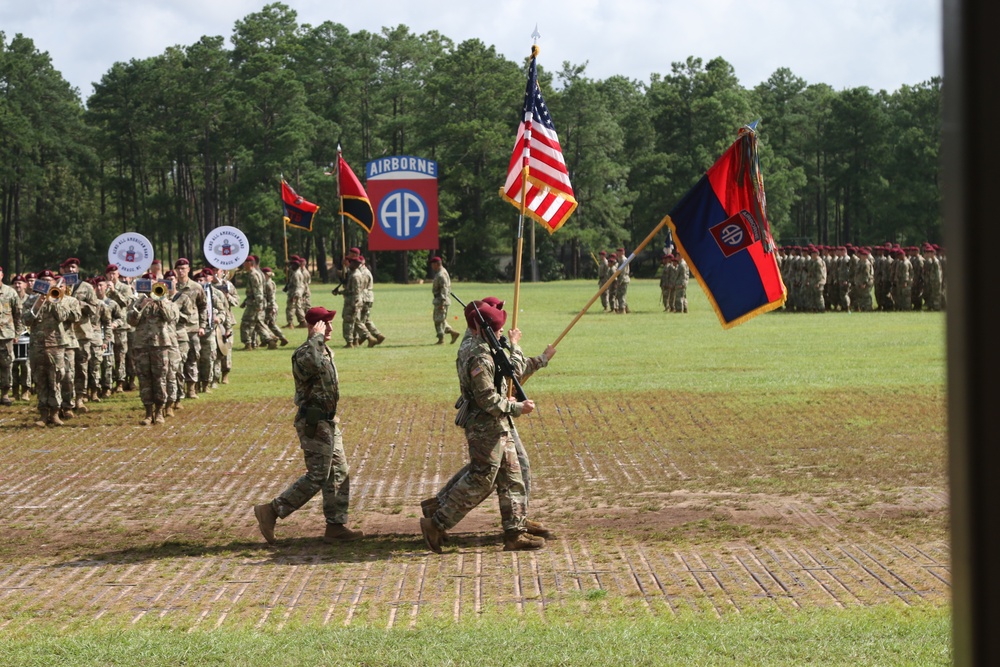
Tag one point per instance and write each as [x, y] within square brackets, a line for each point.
[18, 396]
[5, 400]
[54, 418]
[537, 529]
[348, 346]
[284, 341]
[66, 413]
[379, 339]
[191, 393]
[178, 406]
[516, 541]
[266, 518]
[429, 506]
[440, 340]
[118, 387]
[338, 532]
[158, 414]
[148, 419]
[43, 417]
[80, 406]
[225, 378]
[433, 536]
[272, 344]
[168, 410]
[454, 336]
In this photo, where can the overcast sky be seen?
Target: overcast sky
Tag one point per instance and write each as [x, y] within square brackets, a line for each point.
[881, 44]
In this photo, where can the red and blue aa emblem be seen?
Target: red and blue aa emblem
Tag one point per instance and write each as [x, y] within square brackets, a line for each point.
[226, 248]
[738, 232]
[130, 254]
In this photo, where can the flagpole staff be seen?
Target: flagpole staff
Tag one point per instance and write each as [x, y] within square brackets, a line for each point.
[343, 233]
[524, 193]
[614, 275]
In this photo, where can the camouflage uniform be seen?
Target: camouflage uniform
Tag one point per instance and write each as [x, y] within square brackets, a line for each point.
[84, 293]
[155, 332]
[21, 380]
[932, 283]
[917, 289]
[603, 273]
[364, 327]
[492, 453]
[123, 295]
[902, 282]
[10, 328]
[253, 315]
[317, 393]
[352, 303]
[100, 322]
[115, 333]
[523, 367]
[815, 281]
[215, 316]
[442, 299]
[180, 346]
[622, 282]
[306, 300]
[294, 312]
[68, 389]
[50, 323]
[271, 308]
[682, 275]
[862, 280]
[667, 286]
[224, 362]
[196, 294]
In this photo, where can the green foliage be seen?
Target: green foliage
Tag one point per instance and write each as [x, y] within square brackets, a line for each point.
[175, 145]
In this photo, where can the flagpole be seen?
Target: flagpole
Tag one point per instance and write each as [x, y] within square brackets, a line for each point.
[343, 233]
[614, 275]
[524, 193]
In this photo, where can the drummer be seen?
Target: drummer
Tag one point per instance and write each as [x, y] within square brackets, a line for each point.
[21, 370]
[10, 328]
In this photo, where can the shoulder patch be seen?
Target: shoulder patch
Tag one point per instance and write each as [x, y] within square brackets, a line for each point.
[476, 371]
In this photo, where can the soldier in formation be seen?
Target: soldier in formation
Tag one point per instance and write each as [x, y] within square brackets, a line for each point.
[673, 284]
[493, 457]
[441, 289]
[604, 272]
[295, 288]
[317, 424]
[885, 277]
[252, 326]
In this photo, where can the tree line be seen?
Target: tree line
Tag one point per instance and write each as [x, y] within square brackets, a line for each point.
[197, 137]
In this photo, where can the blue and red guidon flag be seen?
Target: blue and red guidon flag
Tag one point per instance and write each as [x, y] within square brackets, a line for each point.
[721, 229]
[298, 212]
[537, 169]
[354, 202]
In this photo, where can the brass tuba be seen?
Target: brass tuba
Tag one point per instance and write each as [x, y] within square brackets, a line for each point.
[56, 293]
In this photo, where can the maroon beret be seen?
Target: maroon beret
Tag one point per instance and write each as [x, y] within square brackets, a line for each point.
[110, 267]
[70, 261]
[181, 262]
[319, 313]
[493, 316]
[435, 259]
[495, 302]
[46, 274]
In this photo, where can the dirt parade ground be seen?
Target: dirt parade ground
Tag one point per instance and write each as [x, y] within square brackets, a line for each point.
[658, 507]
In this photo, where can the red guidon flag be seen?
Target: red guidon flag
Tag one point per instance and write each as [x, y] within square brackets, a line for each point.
[721, 229]
[354, 202]
[298, 212]
[538, 159]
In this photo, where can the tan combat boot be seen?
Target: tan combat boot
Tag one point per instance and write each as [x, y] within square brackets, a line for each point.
[5, 399]
[273, 344]
[178, 406]
[83, 409]
[372, 341]
[168, 410]
[148, 419]
[515, 541]
[440, 340]
[66, 413]
[266, 518]
[158, 414]
[454, 336]
[338, 532]
[433, 536]
[43, 417]
[191, 393]
[54, 417]
[284, 341]
[537, 529]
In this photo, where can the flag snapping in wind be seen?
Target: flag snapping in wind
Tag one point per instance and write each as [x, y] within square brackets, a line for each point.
[298, 212]
[721, 229]
[354, 202]
[538, 159]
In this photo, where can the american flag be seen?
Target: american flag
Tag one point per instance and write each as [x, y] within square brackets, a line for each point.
[538, 157]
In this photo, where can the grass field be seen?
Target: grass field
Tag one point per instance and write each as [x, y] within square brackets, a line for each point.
[773, 494]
